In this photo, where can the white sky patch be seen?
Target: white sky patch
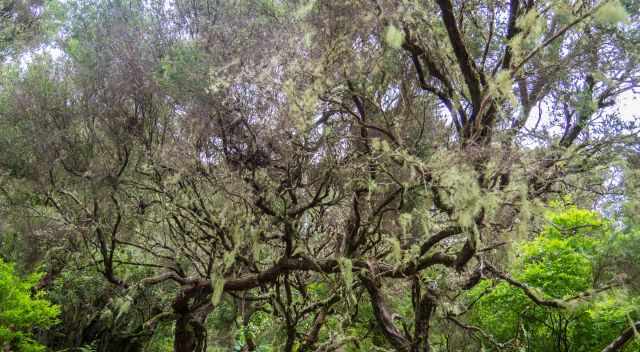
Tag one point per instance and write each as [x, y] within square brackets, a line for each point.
[540, 118]
[54, 51]
[629, 106]
[539, 121]
[390, 98]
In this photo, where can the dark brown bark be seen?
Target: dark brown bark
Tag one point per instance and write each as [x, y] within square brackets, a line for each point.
[190, 334]
[384, 317]
[312, 337]
[620, 341]
[191, 307]
[467, 66]
[424, 309]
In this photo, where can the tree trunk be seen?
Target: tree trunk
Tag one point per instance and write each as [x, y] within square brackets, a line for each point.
[384, 317]
[190, 334]
[424, 306]
[192, 306]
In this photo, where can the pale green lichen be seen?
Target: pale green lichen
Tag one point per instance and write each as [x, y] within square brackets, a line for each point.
[394, 37]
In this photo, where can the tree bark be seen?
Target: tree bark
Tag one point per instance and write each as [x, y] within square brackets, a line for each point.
[620, 341]
[190, 334]
[424, 311]
[192, 306]
[384, 316]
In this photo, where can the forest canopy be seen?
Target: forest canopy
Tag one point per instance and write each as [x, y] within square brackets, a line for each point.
[308, 175]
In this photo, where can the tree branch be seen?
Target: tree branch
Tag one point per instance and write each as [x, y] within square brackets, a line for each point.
[626, 336]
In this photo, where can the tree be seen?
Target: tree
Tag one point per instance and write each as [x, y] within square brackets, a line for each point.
[236, 154]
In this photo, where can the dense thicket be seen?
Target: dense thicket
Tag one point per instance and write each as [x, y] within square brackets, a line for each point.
[342, 175]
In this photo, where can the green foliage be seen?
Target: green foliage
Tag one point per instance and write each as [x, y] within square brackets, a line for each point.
[184, 71]
[21, 310]
[287, 149]
[612, 12]
[560, 263]
[20, 25]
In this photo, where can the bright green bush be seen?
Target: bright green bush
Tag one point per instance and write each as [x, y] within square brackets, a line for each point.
[562, 262]
[21, 311]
